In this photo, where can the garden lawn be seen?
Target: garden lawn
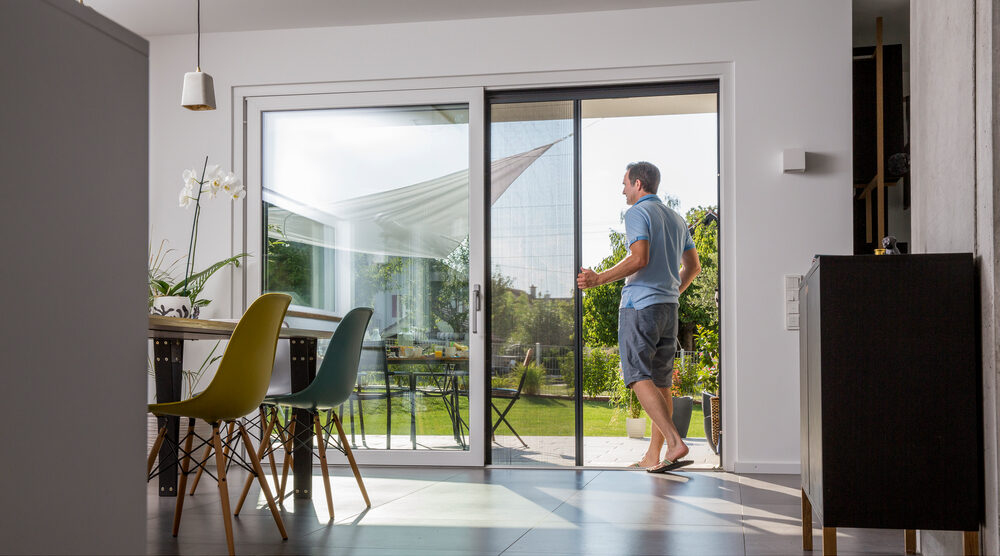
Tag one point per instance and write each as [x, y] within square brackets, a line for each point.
[531, 416]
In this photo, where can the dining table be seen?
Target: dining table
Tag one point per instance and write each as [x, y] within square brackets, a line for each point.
[169, 334]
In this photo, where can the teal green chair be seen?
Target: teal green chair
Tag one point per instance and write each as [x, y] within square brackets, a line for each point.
[335, 380]
[238, 388]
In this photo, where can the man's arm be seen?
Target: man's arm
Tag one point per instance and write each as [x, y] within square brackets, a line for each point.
[691, 267]
[636, 260]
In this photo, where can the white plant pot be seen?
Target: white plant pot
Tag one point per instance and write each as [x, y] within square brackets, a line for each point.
[635, 428]
[172, 306]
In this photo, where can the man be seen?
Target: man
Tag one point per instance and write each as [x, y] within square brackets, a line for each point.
[661, 263]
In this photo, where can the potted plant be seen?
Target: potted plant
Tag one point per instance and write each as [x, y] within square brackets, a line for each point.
[181, 299]
[708, 374]
[624, 399]
[685, 381]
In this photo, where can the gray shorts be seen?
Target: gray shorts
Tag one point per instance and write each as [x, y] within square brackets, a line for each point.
[647, 339]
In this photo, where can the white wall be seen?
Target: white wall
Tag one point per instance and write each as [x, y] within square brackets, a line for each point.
[73, 136]
[791, 76]
[955, 69]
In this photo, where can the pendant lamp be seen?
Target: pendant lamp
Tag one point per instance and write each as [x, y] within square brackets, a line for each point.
[199, 89]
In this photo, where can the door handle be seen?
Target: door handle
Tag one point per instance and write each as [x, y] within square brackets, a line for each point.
[477, 306]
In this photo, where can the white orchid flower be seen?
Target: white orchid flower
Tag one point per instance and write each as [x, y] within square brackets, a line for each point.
[213, 178]
[230, 183]
[238, 193]
[185, 198]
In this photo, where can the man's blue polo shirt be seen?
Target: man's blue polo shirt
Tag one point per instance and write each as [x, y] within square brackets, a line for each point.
[668, 237]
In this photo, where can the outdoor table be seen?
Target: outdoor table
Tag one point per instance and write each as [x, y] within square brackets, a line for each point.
[446, 383]
[168, 335]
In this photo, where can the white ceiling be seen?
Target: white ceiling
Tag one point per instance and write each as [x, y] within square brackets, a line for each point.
[169, 17]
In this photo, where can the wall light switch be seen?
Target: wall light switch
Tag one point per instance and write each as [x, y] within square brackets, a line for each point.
[792, 281]
[792, 322]
[793, 160]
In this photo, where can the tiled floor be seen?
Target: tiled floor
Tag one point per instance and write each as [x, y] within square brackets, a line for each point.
[448, 511]
[598, 451]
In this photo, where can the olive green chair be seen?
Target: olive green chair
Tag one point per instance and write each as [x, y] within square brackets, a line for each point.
[333, 385]
[238, 388]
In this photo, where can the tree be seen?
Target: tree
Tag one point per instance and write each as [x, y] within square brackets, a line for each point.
[600, 303]
[697, 303]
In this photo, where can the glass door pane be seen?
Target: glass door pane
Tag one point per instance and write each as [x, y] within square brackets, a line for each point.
[532, 291]
[679, 134]
[370, 207]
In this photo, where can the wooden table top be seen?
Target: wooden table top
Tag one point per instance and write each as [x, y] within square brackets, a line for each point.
[198, 329]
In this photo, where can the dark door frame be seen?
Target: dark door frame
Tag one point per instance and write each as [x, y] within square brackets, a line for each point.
[577, 95]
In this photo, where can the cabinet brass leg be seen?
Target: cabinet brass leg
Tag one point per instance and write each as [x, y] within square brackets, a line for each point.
[807, 523]
[970, 542]
[910, 541]
[829, 541]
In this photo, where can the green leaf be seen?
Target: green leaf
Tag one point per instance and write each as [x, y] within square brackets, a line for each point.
[196, 282]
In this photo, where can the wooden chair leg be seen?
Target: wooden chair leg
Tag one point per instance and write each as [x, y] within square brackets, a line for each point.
[322, 461]
[201, 468]
[970, 542]
[259, 472]
[260, 451]
[220, 464]
[829, 541]
[807, 522]
[204, 459]
[350, 459]
[188, 439]
[156, 450]
[910, 541]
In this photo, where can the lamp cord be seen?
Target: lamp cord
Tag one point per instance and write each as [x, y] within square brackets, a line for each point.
[199, 35]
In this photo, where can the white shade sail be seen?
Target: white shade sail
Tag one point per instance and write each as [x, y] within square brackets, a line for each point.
[428, 219]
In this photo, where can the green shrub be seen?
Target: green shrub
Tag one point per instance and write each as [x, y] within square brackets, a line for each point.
[685, 380]
[567, 368]
[534, 375]
[623, 399]
[707, 340]
[600, 370]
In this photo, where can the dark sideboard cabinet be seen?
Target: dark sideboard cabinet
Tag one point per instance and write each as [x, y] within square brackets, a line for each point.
[891, 401]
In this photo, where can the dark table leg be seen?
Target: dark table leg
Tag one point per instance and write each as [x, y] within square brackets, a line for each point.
[168, 355]
[303, 371]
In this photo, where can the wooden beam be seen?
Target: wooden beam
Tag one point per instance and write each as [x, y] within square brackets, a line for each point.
[867, 188]
[970, 542]
[829, 541]
[879, 128]
[910, 541]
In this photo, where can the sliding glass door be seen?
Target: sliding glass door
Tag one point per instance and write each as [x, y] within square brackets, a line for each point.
[367, 200]
[557, 158]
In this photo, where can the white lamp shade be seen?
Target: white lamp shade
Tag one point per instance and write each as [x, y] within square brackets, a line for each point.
[199, 91]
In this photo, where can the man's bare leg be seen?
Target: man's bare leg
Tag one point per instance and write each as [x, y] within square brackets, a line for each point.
[655, 405]
[652, 456]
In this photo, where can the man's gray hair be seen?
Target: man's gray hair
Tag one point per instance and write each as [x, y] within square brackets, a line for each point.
[647, 174]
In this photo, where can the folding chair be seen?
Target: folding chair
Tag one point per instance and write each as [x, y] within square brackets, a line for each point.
[511, 395]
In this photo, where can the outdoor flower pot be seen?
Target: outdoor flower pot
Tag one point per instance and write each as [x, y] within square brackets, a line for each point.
[682, 414]
[635, 428]
[711, 432]
[172, 306]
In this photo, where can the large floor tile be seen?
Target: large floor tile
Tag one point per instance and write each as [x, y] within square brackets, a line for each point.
[607, 539]
[402, 536]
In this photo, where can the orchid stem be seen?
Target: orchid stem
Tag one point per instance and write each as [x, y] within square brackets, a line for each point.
[189, 264]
